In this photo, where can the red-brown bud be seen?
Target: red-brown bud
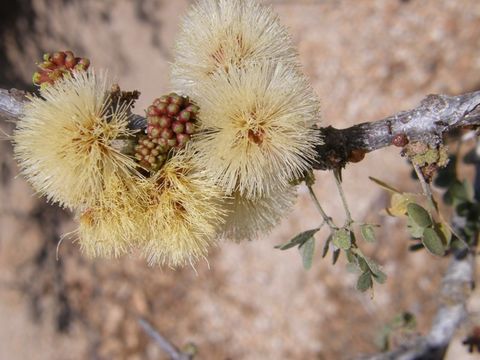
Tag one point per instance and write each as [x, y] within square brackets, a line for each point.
[173, 109]
[165, 121]
[400, 140]
[178, 127]
[189, 128]
[55, 66]
[170, 122]
[182, 139]
[184, 116]
[58, 58]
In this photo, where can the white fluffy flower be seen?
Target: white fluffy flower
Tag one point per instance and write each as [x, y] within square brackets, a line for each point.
[64, 142]
[256, 128]
[221, 34]
[248, 219]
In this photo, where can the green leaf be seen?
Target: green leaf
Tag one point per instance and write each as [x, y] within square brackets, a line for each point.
[353, 268]
[336, 255]
[416, 247]
[446, 176]
[469, 190]
[433, 242]
[364, 281]
[362, 264]
[342, 239]
[326, 246]
[373, 266]
[307, 250]
[384, 185]
[457, 193]
[415, 231]
[444, 231]
[398, 204]
[368, 233]
[351, 257]
[419, 215]
[298, 240]
[471, 157]
[380, 277]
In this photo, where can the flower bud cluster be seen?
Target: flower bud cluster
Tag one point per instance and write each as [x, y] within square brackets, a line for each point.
[55, 66]
[170, 123]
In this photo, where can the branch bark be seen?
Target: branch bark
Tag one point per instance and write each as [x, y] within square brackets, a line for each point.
[11, 103]
[435, 116]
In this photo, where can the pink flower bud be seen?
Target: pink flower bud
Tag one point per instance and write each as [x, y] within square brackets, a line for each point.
[167, 134]
[162, 108]
[165, 121]
[189, 128]
[70, 61]
[152, 111]
[153, 131]
[178, 127]
[173, 109]
[172, 142]
[184, 116]
[182, 139]
[58, 58]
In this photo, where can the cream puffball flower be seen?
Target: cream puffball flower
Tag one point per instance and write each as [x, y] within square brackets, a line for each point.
[220, 34]
[256, 129]
[249, 219]
[64, 142]
[183, 215]
[109, 227]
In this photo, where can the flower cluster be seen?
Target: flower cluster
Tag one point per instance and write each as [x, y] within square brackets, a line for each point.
[69, 146]
[256, 124]
[216, 162]
[65, 142]
[55, 66]
[170, 123]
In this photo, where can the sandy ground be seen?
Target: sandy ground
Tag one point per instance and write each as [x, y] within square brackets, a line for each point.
[366, 59]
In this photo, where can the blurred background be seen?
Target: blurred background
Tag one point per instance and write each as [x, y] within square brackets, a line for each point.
[366, 59]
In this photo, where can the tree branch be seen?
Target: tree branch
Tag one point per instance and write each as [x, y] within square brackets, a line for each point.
[435, 116]
[11, 103]
[457, 285]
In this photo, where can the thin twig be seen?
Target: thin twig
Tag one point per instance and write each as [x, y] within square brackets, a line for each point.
[432, 204]
[338, 182]
[326, 219]
[427, 191]
[171, 350]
